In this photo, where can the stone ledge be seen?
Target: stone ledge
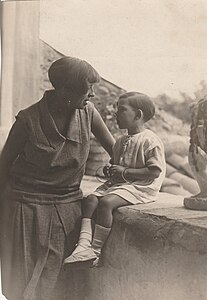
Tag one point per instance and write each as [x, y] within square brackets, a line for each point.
[155, 251]
[184, 226]
[168, 206]
[169, 220]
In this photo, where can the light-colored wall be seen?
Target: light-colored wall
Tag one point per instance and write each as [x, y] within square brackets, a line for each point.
[20, 60]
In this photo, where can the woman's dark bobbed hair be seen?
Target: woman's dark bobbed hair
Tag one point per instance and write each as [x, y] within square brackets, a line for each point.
[72, 73]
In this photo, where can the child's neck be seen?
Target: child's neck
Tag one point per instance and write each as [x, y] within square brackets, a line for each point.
[136, 130]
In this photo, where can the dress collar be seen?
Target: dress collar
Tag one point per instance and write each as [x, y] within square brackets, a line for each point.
[50, 129]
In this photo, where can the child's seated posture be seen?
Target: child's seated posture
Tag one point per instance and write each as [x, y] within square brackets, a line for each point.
[136, 176]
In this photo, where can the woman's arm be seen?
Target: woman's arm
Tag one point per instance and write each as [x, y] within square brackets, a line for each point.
[13, 147]
[102, 133]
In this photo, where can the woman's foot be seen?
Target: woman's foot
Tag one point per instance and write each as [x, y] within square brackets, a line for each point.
[81, 254]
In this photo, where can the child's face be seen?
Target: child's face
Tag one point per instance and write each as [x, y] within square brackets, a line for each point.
[126, 115]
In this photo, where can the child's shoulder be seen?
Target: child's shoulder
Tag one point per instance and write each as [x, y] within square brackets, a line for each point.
[152, 139]
[149, 133]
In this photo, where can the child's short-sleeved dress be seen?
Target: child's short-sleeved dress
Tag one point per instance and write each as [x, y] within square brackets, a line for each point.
[144, 149]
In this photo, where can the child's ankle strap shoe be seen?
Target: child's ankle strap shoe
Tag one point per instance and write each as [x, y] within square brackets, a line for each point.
[84, 255]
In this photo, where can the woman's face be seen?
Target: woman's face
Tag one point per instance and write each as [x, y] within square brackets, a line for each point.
[76, 100]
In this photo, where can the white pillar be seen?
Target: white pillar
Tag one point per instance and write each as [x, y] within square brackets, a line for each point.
[20, 60]
[7, 68]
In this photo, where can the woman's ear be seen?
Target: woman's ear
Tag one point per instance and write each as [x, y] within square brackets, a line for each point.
[139, 114]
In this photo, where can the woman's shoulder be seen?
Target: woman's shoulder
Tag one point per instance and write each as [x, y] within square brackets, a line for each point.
[31, 111]
[34, 110]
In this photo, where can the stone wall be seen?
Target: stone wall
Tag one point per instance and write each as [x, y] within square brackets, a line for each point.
[155, 251]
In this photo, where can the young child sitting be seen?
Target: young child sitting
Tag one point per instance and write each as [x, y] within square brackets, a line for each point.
[136, 175]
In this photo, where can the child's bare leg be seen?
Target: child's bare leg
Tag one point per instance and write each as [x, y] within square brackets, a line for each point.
[105, 208]
[89, 205]
[83, 249]
[104, 220]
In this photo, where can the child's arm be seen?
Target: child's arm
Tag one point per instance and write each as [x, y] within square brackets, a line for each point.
[149, 173]
[153, 167]
[120, 173]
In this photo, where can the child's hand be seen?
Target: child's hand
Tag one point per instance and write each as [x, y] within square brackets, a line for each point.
[106, 171]
[116, 172]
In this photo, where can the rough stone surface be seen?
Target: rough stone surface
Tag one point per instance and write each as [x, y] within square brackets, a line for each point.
[155, 251]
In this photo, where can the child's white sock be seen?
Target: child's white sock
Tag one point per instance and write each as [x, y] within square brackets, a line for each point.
[85, 237]
[100, 236]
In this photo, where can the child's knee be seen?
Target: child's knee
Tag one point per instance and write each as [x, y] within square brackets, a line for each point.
[91, 200]
[105, 204]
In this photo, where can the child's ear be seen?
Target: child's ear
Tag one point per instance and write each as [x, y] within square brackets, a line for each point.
[139, 114]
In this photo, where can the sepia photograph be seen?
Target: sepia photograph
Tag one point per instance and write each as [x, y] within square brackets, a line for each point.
[103, 150]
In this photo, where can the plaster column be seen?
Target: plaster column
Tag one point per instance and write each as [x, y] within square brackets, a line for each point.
[20, 60]
[7, 67]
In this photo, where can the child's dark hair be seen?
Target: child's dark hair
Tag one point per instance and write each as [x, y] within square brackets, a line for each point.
[73, 73]
[140, 101]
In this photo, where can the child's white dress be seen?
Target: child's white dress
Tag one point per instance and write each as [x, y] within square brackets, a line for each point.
[140, 150]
